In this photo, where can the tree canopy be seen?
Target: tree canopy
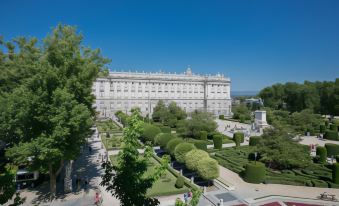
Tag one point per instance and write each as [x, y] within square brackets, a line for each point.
[168, 115]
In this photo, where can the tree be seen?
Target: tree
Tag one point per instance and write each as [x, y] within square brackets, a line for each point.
[127, 180]
[241, 112]
[208, 168]
[46, 106]
[193, 157]
[181, 150]
[160, 112]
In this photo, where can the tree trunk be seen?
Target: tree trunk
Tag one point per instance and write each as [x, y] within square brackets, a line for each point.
[52, 181]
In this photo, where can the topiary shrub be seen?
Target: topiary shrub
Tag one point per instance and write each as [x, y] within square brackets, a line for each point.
[170, 147]
[333, 127]
[217, 141]
[322, 128]
[254, 140]
[238, 138]
[203, 135]
[255, 172]
[331, 135]
[193, 157]
[199, 144]
[149, 132]
[181, 150]
[322, 153]
[165, 129]
[163, 138]
[332, 149]
[208, 168]
[221, 116]
[179, 183]
[335, 173]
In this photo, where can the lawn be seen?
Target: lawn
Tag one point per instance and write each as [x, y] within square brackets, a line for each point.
[314, 175]
[108, 126]
[163, 186]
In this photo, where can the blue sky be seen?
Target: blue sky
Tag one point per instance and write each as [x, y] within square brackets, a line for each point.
[256, 43]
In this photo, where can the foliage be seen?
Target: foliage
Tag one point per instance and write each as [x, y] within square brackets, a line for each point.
[279, 151]
[122, 117]
[163, 138]
[332, 149]
[322, 128]
[208, 168]
[193, 157]
[45, 99]
[254, 140]
[255, 172]
[179, 183]
[217, 141]
[181, 150]
[170, 147]
[127, 180]
[200, 144]
[322, 153]
[203, 135]
[193, 202]
[331, 135]
[149, 132]
[199, 121]
[168, 115]
[238, 138]
[165, 129]
[221, 116]
[241, 112]
[335, 173]
[7, 185]
[334, 127]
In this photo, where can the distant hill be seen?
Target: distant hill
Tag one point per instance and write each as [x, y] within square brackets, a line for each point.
[243, 93]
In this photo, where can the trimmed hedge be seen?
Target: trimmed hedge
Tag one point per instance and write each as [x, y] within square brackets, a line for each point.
[200, 144]
[254, 140]
[322, 128]
[331, 135]
[208, 168]
[332, 149]
[221, 116]
[179, 183]
[163, 138]
[333, 127]
[170, 147]
[217, 141]
[181, 150]
[149, 132]
[322, 153]
[335, 173]
[255, 173]
[238, 138]
[165, 129]
[193, 157]
[203, 135]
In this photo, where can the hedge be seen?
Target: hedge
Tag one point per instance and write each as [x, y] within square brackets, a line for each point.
[181, 150]
[165, 129]
[170, 147]
[217, 141]
[254, 140]
[238, 138]
[203, 135]
[179, 183]
[193, 157]
[322, 128]
[199, 144]
[221, 116]
[335, 173]
[208, 168]
[149, 132]
[332, 149]
[331, 135]
[163, 138]
[322, 153]
[255, 172]
[334, 127]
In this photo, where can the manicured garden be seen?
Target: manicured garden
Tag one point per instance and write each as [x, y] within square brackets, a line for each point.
[110, 134]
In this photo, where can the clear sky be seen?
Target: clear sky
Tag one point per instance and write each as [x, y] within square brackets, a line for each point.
[256, 42]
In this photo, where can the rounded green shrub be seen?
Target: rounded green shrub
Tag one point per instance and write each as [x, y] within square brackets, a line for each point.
[165, 129]
[221, 116]
[208, 168]
[238, 138]
[335, 173]
[322, 153]
[170, 147]
[331, 135]
[200, 144]
[255, 172]
[322, 128]
[149, 132]
[193, 157]
[332, 149]
[334, 127]
[181, 150]
[203, 135]
[179, 183]
[254, 140]
[217, 141]
[163, 138]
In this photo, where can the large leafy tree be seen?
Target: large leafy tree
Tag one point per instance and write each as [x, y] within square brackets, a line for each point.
[127, 180]
[46, 100]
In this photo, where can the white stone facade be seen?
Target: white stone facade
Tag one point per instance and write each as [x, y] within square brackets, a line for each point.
[126, 90]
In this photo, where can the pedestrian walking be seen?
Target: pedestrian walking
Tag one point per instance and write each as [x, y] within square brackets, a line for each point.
[90, 149]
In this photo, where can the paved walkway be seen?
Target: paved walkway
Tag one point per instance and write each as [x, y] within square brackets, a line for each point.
[246, 128]
[308, 140]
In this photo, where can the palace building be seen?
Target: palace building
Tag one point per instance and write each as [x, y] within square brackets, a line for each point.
[126, 90]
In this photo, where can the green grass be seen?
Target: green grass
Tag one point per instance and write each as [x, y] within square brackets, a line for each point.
[113, 142]
[227, 140]
[163, 186]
